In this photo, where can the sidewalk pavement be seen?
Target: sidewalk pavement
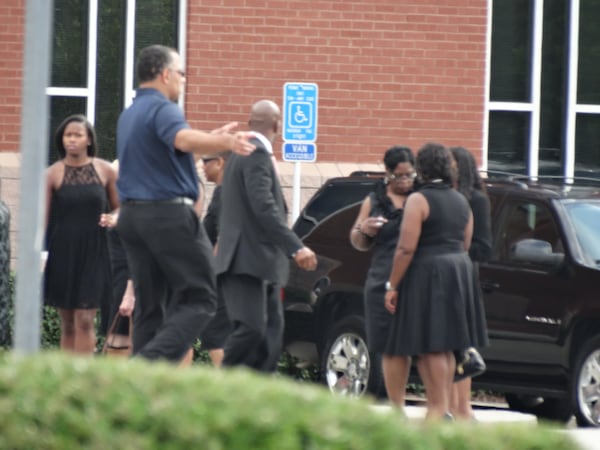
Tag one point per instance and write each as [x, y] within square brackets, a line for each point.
[587, 438]
[487, 415]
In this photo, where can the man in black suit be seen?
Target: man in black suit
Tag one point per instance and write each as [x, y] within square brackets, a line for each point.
[254, 245]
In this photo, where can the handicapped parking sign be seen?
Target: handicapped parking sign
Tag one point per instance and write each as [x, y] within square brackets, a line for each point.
[300, 102]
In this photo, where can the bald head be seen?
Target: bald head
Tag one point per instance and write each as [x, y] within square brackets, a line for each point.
[265, 118]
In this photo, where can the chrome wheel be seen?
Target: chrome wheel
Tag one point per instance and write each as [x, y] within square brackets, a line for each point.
[588, 389]
[348, 365]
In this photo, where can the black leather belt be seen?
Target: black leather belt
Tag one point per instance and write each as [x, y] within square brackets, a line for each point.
[171, 201]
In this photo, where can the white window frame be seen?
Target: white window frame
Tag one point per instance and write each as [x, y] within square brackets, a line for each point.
[89, 92]
[128, 80]
[572, 107]
[533, 106]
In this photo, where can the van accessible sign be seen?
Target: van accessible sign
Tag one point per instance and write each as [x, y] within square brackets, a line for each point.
[299, 151]
[300, 113]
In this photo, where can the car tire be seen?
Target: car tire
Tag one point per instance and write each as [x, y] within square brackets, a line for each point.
[585, 389]
[554, 409]
[523, 403]
[347, 367]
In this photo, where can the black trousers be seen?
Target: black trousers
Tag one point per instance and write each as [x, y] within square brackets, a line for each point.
[171, 264]
[255, 310]
[215, 334]
[120, 275]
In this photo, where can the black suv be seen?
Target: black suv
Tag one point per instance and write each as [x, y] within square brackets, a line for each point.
[541, 293]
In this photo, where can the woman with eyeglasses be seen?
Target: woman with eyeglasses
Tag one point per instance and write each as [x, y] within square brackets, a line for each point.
[214, 335]
[431, 291]
[376, 227]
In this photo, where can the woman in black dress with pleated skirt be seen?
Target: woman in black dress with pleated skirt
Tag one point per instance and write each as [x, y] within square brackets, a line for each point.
[431, 291]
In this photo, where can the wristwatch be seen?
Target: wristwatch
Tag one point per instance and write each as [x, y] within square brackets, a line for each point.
[389, 287]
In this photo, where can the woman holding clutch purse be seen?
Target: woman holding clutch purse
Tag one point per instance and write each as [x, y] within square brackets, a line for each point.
[470, 184]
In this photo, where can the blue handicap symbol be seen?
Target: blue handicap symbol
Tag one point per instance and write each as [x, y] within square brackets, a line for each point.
[300, 115]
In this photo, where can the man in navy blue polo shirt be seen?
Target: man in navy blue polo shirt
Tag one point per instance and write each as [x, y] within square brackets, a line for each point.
[168, 252]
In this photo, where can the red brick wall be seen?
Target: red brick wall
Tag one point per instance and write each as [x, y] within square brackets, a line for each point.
[389, 71]
[12, 23]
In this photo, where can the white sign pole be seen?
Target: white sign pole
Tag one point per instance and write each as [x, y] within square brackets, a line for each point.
[297, 192]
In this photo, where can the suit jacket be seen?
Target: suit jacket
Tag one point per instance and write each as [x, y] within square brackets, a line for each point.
[254, 238]
[211, 219]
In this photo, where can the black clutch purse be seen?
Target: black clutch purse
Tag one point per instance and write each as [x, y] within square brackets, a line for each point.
[469, 363]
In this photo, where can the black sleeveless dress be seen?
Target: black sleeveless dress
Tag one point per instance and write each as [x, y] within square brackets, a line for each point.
[438, 306]
[378, 319]
[77, 274]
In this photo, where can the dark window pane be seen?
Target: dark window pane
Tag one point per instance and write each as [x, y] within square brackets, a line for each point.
[587, 144]
[60, 109]
[516, 226]
[552, 111]
[494, 202]
[526, 221]
[69, 60]
[508, 141]
[156, 23]
[511, 51]
[550, 161]
[589, 52]
[109, 85]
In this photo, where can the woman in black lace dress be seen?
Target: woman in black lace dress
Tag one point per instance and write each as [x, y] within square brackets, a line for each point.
[377, 227]
[79, 188]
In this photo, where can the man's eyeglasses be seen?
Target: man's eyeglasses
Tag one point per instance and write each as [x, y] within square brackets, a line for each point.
[401, 176]
[207, 160]
[180, 72]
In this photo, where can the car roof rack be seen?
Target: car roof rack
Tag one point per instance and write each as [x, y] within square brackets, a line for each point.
[367, 173]
[497, 175]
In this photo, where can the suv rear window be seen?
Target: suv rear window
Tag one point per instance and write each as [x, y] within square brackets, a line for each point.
[332, 197]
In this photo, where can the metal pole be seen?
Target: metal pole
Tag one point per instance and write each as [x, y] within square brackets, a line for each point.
[34, 142]
[297, 191]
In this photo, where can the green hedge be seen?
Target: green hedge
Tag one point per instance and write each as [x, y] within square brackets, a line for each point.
[56, 401]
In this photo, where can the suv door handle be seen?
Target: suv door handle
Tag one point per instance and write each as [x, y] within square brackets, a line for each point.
[489, 286]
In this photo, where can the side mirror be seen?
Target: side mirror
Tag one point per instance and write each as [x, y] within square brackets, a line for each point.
[536, 251]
